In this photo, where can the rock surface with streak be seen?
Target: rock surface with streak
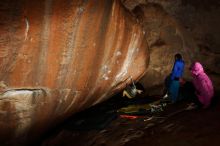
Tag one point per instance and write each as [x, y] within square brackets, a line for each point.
[181, 26]
[58, 57]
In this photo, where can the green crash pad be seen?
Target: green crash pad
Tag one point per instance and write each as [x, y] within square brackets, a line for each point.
[141, 109]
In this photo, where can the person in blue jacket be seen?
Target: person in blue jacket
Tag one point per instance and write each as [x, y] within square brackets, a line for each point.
[176, 75]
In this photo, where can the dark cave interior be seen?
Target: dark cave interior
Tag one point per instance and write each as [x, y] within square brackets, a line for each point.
[63, 59]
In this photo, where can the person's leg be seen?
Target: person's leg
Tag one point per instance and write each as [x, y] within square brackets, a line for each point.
[177, 88]
[168, 82]
[125, 93]
[174, 90]
[196, 101]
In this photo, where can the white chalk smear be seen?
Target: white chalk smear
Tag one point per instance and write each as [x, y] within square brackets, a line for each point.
[27, 28]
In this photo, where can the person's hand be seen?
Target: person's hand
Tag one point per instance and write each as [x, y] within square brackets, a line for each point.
[182, 81]
[139, 91]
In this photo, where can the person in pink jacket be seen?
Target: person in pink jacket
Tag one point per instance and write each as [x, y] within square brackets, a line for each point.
[203, 85]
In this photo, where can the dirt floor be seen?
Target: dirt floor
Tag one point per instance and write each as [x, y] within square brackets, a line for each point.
[174, 126]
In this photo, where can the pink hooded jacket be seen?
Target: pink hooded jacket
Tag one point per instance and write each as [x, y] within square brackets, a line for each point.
[202, 83]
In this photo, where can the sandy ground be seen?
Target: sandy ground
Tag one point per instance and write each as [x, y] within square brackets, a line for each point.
[174, 126]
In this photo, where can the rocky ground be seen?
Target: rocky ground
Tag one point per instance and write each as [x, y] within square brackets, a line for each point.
[173, 126]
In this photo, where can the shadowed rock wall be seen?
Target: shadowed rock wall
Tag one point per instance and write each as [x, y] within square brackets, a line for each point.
[181, 26]
[58, 57]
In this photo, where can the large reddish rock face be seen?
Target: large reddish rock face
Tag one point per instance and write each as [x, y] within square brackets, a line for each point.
[58, 57]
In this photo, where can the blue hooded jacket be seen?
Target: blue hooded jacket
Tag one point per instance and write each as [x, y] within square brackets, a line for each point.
[178, 69]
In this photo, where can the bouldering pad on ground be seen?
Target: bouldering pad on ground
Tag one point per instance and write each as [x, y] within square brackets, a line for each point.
[143, 109]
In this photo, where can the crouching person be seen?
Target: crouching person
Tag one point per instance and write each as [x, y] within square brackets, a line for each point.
[131, 91]
[203, 86]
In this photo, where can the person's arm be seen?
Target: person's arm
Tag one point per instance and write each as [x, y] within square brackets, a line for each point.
[139, 91]
[174, 71]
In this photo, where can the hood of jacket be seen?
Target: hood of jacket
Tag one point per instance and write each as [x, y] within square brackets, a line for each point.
[196, 69]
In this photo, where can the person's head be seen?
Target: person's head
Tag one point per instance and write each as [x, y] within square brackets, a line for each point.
[178, 56]
[196, 68]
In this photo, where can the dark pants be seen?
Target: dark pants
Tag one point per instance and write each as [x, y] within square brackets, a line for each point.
[187, 91]
[172, 88]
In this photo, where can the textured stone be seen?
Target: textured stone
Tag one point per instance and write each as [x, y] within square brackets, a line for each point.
[58, 57]
[181, 26]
